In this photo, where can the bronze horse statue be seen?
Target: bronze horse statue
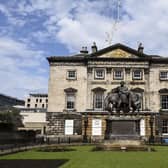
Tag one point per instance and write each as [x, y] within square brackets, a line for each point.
[115, 102]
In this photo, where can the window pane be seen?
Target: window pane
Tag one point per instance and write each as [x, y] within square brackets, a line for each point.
[70, 101]
[137, 74]
[118, 74]
[164, 101]
[163, 75]
[165, 126]
[99, 100]
[72, 74]
[99, 73]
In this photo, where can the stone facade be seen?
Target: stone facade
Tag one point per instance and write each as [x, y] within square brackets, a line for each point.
[34, 113]
[87, 81]
[37, 101]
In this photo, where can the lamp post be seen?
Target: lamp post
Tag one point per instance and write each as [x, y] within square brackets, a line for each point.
[151, 121]
[85, 140]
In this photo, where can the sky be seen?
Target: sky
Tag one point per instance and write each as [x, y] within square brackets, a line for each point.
[31, 30]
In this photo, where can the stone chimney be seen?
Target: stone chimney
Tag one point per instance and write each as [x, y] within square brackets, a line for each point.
[94, 47]
[84, 50]
[140, 48]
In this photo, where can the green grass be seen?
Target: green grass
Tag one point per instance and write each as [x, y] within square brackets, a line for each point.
[83, 157]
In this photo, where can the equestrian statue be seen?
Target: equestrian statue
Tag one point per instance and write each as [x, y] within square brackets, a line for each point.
[122, 99]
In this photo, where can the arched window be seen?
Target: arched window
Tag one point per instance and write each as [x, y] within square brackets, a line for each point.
[98, 98]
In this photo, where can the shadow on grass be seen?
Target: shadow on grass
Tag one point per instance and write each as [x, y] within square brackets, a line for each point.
[32, 163]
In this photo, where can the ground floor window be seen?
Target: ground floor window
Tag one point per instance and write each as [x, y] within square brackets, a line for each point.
[165, 126]
[69, 127]
[142, 127]
[164, 102]
[96, 127]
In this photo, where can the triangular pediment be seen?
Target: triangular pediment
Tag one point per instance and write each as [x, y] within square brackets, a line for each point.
[118, 51]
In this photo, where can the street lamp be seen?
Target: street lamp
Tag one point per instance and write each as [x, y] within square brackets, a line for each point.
[85, 140]
[151, 121]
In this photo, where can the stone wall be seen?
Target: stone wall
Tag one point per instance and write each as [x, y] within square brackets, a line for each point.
[56, 123]
[58, 82]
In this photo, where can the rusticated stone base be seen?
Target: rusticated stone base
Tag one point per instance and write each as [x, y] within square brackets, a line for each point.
[56, 123]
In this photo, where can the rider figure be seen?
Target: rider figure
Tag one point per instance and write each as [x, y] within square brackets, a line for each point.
[123, 93]
[122, 89]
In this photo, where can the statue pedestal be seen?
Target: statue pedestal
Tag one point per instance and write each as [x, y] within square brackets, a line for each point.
[122, 128]
[123, 133]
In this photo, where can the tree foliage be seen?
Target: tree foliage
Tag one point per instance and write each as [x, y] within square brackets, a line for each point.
[11, 116]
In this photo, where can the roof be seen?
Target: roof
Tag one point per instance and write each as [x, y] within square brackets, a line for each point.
[39, 94]
[96, 56]
[118, 46]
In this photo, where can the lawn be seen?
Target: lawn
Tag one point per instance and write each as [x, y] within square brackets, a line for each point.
[83, 157]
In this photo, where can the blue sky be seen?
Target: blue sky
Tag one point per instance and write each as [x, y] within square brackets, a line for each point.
[31, 30]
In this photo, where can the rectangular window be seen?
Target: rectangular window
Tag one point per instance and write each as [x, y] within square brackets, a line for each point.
[164, 102]
[46, 100]
[118, 75]
[98, 100]
[28, 105]
[70, 101]
[71, 74]
[165, 126]
[42, 105]
[137, 74]
[164, 75]
[96, 127]
[28, 100]
[40, 100]
[36, 100]
[69, 127]
[35, 105]
[99, 74]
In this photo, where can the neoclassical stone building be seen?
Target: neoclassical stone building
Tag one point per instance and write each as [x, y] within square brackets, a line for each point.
[78, 85]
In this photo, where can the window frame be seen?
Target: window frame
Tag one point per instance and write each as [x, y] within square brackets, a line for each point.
[118, 78]
[99, 77]
[137, 78]
[95, 100]
[70, 77]
[165, 127]
[161, 78]
[161, 103]
[66, 102]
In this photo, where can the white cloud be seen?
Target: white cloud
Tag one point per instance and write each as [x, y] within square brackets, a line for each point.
[20, 68]
[88, 21]
[74, 24]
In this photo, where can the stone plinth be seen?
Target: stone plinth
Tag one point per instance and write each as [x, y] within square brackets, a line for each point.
[122, 128]
[123, 145]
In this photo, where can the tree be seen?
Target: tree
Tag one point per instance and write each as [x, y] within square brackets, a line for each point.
[10, 118]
